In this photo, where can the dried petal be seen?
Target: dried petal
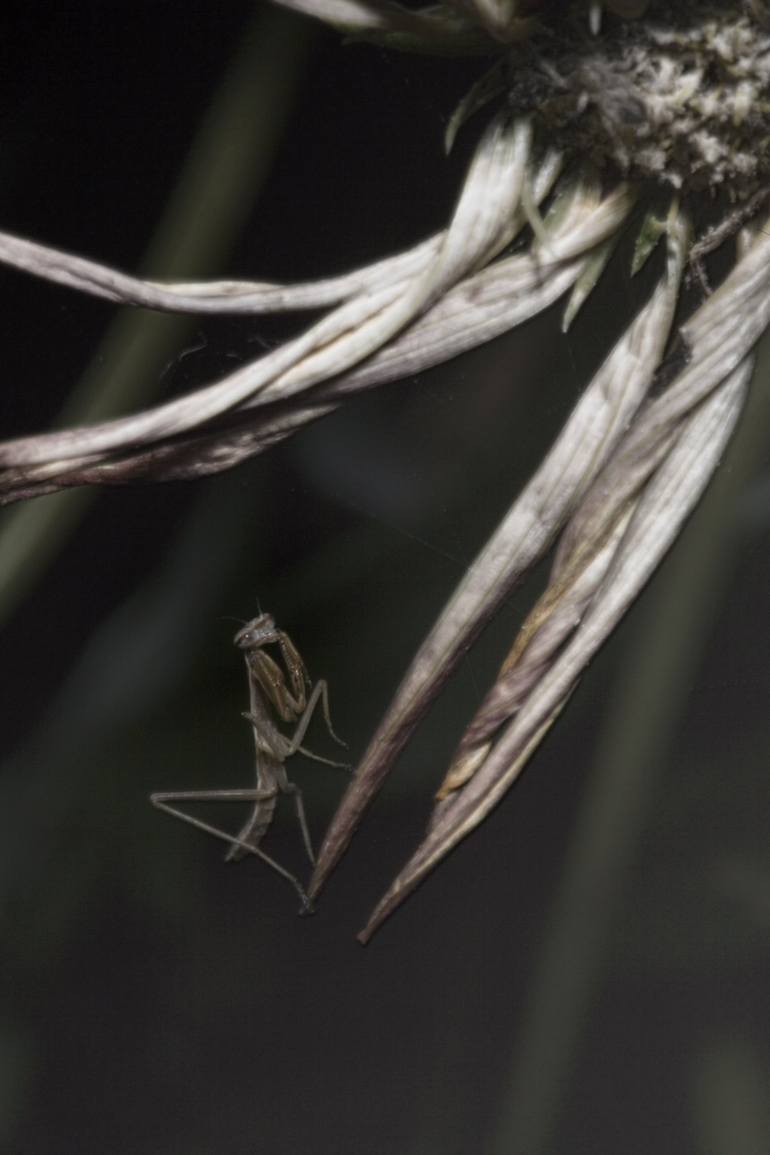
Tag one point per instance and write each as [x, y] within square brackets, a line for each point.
[657, 520]
[480, 227]
[597, 423]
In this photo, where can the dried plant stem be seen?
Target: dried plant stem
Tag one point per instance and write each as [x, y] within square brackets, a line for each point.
[731, 1106]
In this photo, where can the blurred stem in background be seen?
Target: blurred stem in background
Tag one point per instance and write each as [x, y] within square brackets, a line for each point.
[731, 1107]
[620, 796]
[228, 162]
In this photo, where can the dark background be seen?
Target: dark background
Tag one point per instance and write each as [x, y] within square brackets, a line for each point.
[588, 973]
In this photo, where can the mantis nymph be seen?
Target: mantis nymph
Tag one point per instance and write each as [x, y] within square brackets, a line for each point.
[280, 685]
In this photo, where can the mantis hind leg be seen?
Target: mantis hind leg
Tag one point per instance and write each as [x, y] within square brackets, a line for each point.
[258, 823]
[162, 801]
[294, 790]
[246, 795]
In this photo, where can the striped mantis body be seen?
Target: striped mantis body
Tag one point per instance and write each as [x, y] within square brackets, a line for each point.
[274, 686]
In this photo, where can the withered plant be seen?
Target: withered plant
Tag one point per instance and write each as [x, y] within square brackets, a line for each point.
[593, 121]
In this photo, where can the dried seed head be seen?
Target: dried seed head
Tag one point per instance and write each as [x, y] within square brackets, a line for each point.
[680, 97]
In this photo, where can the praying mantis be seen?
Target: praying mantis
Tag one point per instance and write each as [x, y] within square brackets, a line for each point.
[281, 686]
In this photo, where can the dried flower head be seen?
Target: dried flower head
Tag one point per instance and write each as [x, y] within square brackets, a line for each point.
[680, 97]
[600, 118]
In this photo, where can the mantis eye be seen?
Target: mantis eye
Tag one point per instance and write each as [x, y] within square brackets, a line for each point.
[244, 638]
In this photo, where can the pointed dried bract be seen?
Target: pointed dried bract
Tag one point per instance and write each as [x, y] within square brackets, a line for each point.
[656, 522]
[626, 523]
[528, 530]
